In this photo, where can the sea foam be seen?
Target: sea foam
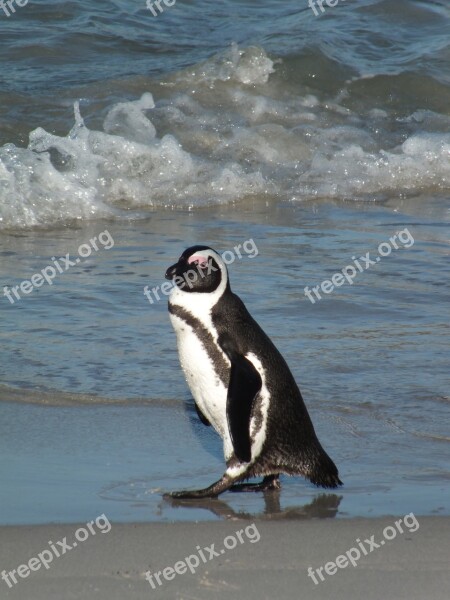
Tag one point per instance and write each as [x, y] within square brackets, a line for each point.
[226, 129]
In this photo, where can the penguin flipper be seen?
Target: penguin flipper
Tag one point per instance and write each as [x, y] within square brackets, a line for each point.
[201, 416]
[245, 383]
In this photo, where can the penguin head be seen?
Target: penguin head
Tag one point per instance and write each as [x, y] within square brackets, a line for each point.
[199, 269]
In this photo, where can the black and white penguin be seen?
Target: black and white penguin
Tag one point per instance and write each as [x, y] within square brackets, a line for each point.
[241, 384]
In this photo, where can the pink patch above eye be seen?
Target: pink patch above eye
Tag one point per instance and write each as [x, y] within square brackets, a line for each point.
[201, 260]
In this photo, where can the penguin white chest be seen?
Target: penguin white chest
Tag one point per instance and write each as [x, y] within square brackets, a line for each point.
[210, 393]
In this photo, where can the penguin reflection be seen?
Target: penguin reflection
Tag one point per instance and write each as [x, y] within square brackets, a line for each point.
[323, 506]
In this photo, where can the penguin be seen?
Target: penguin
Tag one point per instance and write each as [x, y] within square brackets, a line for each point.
[241, 384]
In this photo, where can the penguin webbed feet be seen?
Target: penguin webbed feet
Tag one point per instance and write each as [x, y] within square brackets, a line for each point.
[269, 483]
[212, 491]
[188, 495]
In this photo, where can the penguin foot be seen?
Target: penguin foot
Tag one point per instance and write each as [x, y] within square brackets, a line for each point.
[270, 482]
[212, 491]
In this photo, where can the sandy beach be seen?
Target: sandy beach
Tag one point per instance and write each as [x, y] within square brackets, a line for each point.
[237, 559]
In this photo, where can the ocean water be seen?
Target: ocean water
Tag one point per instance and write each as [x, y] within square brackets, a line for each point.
[316, 142]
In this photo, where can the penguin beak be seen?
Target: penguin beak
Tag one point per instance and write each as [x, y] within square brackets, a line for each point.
[173, 271]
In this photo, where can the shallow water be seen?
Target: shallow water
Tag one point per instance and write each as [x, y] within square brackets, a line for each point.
[370, 359]
[319, 138]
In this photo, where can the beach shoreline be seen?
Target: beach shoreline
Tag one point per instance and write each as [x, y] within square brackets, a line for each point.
[251, 559]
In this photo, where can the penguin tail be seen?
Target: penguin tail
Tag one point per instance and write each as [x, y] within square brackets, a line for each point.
[323, 472]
